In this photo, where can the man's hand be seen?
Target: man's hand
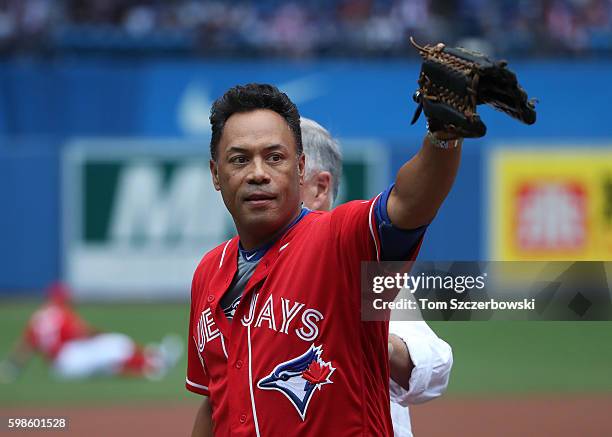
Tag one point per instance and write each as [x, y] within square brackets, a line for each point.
[400, 363]
[203, 426]
[453, 81]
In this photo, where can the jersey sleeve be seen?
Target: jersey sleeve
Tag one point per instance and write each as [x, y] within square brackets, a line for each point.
[197, 379]
[353, 225]
[395, 244]
[364, 229]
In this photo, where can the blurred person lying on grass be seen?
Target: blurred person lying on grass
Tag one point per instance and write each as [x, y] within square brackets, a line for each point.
[74, 349]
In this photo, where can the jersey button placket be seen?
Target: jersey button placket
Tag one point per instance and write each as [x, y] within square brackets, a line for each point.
[243, 418]
[239, 364]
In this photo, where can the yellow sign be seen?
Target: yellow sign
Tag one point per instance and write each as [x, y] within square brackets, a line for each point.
[550, 204]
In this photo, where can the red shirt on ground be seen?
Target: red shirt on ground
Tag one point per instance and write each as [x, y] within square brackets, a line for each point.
[51, 326]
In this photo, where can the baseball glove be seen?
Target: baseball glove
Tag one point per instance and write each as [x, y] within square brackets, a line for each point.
[453, 81]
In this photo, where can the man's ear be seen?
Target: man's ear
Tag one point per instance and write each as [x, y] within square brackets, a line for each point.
[214, 171]
[302, 167]
[323, 181]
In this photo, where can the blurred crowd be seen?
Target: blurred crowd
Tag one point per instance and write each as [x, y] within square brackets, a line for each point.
[306, 27]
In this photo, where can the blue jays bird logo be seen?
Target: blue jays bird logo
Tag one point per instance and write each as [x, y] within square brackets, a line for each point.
[299, 377]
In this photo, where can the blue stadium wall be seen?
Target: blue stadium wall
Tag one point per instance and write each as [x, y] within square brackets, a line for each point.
[45, 103]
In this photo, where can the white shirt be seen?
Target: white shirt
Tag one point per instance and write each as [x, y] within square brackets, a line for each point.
[432, 358]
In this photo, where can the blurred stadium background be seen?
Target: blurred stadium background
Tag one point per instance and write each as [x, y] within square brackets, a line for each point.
[103, 161]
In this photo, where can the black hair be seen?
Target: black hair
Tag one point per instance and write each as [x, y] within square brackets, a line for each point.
[245, 98]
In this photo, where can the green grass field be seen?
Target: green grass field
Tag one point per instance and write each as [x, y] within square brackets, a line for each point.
[491, 358]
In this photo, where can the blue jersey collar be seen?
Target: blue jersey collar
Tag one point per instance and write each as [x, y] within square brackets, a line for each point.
[256, 254]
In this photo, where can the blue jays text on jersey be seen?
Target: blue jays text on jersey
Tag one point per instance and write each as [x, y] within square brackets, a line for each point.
[281, 315]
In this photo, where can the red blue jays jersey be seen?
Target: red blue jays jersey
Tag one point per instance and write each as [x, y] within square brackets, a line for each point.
[296, 359]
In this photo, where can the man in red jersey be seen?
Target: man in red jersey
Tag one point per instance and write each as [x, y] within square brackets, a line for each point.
[419, 361]
[271, 308]
[75, 349]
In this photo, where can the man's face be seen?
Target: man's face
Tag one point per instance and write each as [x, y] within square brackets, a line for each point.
[258, 172]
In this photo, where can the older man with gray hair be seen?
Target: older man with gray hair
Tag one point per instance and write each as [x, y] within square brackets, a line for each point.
[323, 166]
[420, 362]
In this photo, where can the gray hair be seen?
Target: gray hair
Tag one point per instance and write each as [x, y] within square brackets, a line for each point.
[322, 152]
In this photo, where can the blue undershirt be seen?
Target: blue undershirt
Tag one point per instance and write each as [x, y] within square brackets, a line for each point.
[396, 244]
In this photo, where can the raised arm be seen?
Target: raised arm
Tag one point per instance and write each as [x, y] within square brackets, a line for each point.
[423, 183]
[452, 82]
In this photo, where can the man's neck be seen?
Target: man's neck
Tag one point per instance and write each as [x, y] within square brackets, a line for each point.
[254, 240]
